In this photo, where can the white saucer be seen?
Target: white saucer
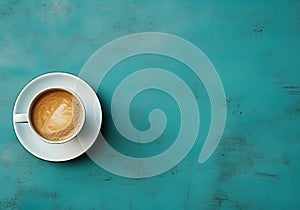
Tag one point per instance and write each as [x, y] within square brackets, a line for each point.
[75, 147]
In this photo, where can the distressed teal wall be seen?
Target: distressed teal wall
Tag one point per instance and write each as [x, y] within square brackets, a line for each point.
[255, 47]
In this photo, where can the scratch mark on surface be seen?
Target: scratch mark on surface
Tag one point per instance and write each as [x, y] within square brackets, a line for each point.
[268, 175]
[291, 89]
[187, 198]
[218, 200]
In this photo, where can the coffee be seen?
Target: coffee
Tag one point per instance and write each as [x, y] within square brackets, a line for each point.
[56, 115]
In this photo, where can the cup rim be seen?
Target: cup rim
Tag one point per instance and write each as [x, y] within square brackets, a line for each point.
[35, 97]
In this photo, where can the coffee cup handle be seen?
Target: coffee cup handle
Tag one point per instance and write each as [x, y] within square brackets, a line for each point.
[20, 118]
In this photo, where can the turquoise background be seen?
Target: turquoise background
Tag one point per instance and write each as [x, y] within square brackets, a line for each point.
[255, 47]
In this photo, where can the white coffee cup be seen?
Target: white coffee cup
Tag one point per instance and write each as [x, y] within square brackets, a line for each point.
[55, 115]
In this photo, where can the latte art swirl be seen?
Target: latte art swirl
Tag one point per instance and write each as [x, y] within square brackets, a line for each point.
[56, 115]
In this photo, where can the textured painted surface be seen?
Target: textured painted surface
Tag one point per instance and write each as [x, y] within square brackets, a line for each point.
[255, 47]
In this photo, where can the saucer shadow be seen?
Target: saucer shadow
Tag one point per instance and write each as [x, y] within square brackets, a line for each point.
[82, 159]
